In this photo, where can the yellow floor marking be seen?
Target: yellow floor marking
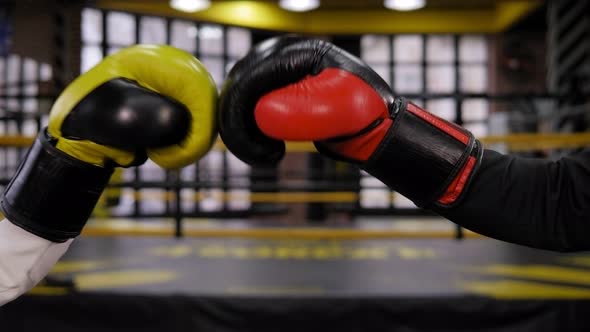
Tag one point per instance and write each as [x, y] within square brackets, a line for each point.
[314, 252]
[78, 266]
[522, 290]
[409, 253]
[177, 251]
[540, 272]
[48, 290]
[122, 278]
[581, 260]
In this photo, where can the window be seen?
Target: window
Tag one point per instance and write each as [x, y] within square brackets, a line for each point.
[22, 110]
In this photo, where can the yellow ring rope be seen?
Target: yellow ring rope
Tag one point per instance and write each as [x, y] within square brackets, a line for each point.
[514, 142]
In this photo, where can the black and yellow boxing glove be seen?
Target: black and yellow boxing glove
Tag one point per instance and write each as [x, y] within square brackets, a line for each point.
[145, 101]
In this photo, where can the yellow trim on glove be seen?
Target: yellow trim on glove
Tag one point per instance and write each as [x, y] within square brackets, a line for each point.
[163, 69]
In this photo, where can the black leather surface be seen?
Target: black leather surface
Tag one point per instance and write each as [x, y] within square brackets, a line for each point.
[418, 159]
[52, 194]
[122, 114]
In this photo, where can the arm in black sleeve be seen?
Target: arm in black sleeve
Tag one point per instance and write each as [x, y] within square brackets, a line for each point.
[533, 202]
[442, 167]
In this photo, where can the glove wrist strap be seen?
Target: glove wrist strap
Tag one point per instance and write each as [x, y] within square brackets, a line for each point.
[53, 194]
[425, 158]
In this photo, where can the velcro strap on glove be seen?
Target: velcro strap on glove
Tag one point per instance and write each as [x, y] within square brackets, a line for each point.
[425, 158]
[53, 194]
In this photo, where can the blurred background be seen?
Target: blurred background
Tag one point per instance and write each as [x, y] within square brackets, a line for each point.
[515, 73]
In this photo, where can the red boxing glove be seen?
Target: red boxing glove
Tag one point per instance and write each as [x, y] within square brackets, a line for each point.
[298, 89]
[333, 105]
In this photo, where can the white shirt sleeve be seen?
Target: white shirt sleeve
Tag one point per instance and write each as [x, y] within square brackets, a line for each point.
[25, 259]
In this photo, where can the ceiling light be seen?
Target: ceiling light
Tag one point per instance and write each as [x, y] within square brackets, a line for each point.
[299, 5]
[190, 6]
[404, 5]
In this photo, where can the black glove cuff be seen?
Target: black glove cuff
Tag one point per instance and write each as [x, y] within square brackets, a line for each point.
[53, 194]
[422, 155]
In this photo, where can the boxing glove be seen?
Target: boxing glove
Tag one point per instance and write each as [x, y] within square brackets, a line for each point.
[144, 101]
[299, 89]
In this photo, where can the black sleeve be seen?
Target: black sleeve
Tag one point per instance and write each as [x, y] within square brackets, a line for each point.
[533, 202]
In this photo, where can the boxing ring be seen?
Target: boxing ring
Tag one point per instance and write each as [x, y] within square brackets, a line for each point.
[314, 283]
[253, 271]
[322, 268]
